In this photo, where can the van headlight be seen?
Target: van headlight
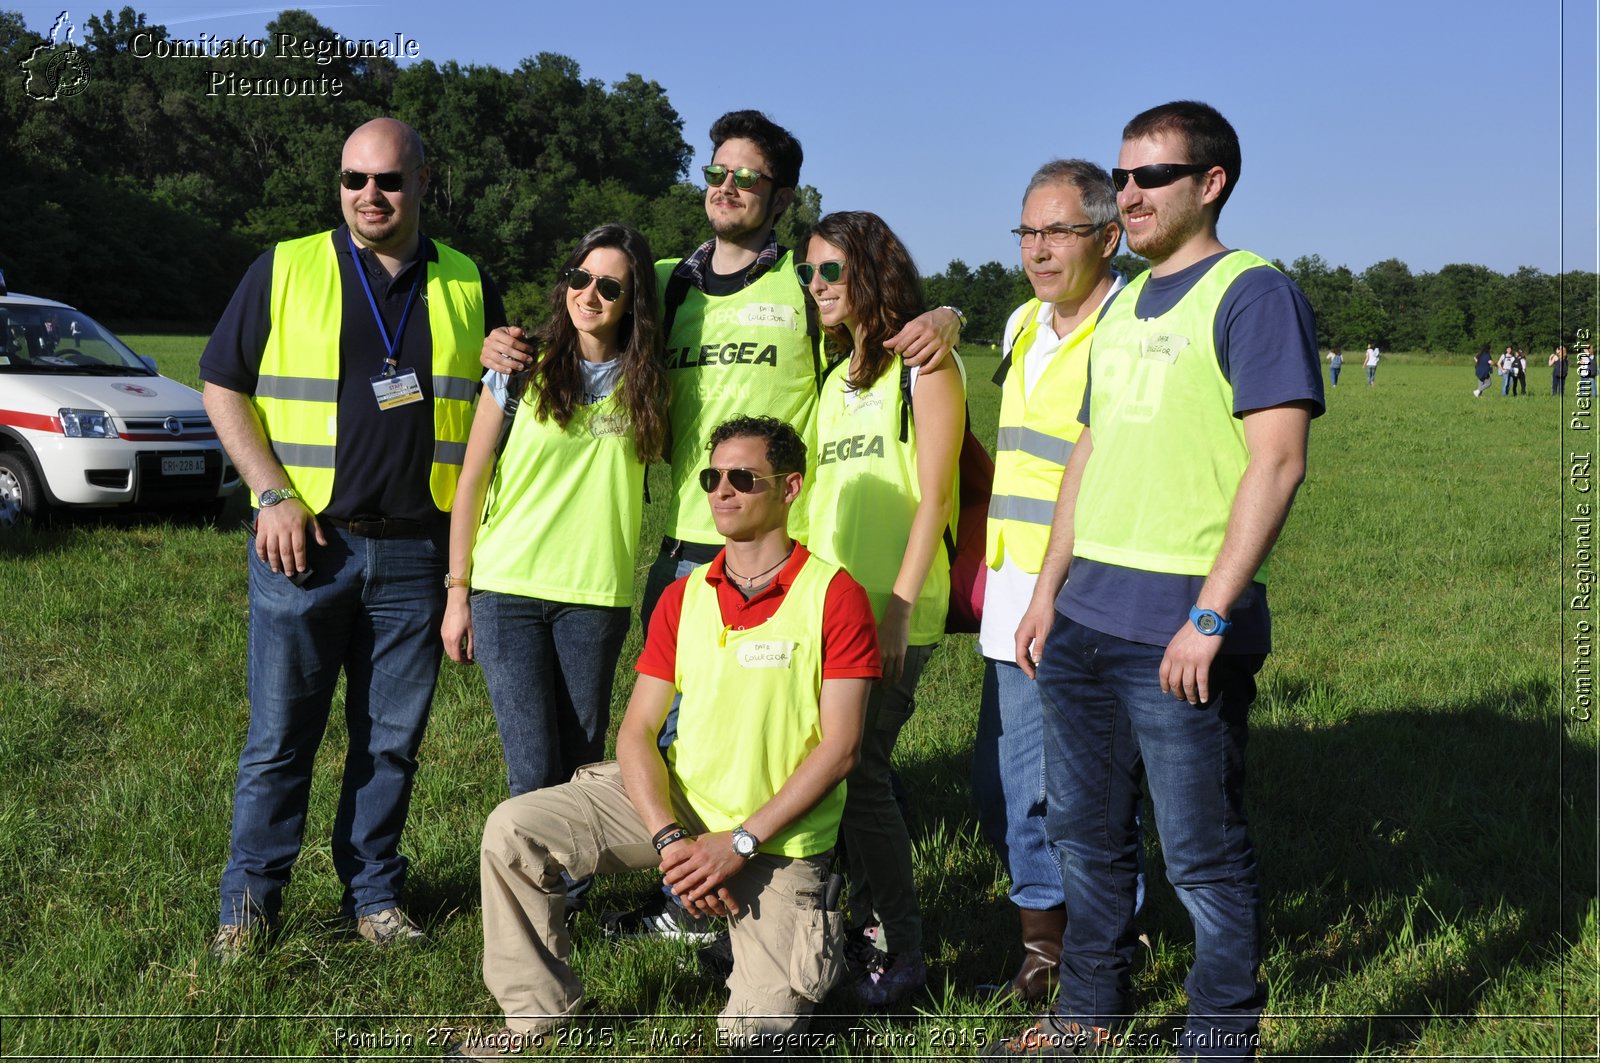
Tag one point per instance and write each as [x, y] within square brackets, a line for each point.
[91, 424]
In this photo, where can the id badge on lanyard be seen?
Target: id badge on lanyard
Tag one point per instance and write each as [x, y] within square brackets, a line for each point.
[391, 387]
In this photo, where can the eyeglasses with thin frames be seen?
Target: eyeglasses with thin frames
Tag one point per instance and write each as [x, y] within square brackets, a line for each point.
[1056, 235]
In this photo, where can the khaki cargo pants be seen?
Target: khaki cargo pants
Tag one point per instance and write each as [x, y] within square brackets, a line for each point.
[787, 951]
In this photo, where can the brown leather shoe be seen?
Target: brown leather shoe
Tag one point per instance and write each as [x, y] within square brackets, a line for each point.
[1041, 955]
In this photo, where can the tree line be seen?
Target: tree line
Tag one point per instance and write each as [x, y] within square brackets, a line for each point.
[144, 194]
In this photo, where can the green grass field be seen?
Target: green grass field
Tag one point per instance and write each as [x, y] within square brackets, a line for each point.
[1424, 810]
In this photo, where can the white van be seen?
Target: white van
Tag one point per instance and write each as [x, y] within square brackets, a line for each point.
[84, 421]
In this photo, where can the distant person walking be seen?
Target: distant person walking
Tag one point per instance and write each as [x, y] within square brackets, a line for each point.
[1507, 371]
[1484, 370]
[1335, 363]
[1519, 373]
[1373, 356]
[1558, 371]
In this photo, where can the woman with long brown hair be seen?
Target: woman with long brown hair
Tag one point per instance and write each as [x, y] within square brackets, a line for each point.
[881, 501]
[546, 523]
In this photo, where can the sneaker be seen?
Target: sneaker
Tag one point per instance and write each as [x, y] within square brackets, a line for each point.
[891, 978]
[662, 917]
[1051, 1038]
[504, 1043]
[861, 952]
[232, 941]
[390, 927]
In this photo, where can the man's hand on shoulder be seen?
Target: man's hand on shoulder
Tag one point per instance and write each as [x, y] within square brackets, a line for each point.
[281, 535]
[697, 869]
[506, 350]
[927, 338]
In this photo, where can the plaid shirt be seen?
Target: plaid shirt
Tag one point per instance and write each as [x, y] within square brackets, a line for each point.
[696, 265]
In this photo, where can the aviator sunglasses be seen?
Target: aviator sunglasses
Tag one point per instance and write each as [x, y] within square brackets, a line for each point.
[1157, 174]
[743, 177]
[741, 480]
[610, 288]
[355, 180]
[831, 271]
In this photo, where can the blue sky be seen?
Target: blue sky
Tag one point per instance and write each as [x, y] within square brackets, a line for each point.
[1429, 132]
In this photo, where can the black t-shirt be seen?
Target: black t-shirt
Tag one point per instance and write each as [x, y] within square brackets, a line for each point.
[384, 457]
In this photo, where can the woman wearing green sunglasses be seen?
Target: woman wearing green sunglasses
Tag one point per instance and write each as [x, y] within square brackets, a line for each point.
[546, 518]
[881, 500]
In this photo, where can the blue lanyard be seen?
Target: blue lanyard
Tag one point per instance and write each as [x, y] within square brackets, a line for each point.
[390, 344]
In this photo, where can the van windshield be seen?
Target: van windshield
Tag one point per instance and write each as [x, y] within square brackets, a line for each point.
[57, 339]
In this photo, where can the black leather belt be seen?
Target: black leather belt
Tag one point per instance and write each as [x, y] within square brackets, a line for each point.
[382, 527]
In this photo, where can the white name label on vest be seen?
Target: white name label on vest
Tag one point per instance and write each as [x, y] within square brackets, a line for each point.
[1163, 347]
[772, 653]
[769, 315]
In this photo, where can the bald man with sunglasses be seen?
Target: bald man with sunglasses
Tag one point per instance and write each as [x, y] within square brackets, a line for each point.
[773, 652]
[340, 379]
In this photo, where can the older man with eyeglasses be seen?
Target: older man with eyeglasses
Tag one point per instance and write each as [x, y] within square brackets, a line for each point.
[340, 379]
[1068, 235]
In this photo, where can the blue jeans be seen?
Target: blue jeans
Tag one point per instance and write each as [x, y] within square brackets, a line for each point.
[1107, 720]
[549, 667]
[1010, 793]
[372, 609]
[1009, 787]
[1333, 371]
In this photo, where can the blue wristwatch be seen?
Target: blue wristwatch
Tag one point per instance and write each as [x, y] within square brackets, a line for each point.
[1208, 622]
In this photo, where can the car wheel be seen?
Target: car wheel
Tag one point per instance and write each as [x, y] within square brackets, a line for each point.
[20, 494]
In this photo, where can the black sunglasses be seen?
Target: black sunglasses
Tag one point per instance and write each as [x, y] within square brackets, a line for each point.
[744, 177]
[355, 181]
[1157, 174]
[831, 271]
[610, 288]
[742, 480]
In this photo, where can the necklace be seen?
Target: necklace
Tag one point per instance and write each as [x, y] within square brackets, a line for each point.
[750, 581]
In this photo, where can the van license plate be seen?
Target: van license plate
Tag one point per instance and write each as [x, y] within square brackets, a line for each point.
[188, 465]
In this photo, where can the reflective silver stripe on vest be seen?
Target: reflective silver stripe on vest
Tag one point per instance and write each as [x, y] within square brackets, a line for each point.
[1025, 510]
[447, 453]
[455, 387]
[305, 388]
[1032, 441]
[304, 455]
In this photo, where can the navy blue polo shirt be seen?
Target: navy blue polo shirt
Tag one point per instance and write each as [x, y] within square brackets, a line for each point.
[384, 457]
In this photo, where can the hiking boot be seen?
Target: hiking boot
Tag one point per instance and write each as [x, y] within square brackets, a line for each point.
[233, 940]
[662, 917]
[890, 977]
[1041, 955]
[1051, 1038]
[504, 1043]
[390, 927]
